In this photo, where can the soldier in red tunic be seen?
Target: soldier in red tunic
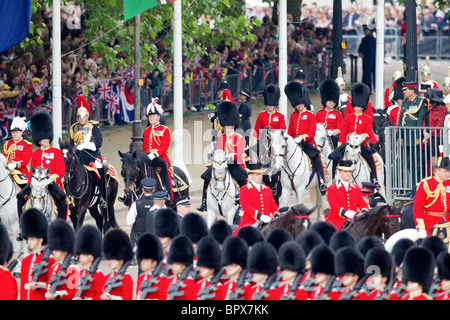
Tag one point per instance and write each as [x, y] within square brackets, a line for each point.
[418, 271]
[344, 197]
[256, 200]
[394, 110]
[88, 247]
[181, 257]
[234, 258]
[210, 271]
[302, 127]
[47, 157]
[61, 279]
[432, 199]
[358, 123]
[269, 118]
[232, 143]
[329, 117]
[35, 267]
[156, 142]
[152, 283]
[18, 152]
[117, 249]
[8, 284]
[292, 266]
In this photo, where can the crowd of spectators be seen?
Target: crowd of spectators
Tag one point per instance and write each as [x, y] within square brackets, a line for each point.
[26, 83]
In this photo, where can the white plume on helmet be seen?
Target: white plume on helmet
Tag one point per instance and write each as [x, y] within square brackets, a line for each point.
[19, 123]
[155, 107]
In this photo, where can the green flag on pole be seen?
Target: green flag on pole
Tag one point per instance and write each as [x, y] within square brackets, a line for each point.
[132, 8]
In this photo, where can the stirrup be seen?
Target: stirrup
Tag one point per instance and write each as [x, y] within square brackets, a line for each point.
[323, 188]
[102, 204]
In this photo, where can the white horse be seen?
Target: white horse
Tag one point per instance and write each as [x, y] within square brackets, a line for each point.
[296, 175]
[40, 197]
[220, 196]
[324, 145]
[361, 170]
[8, 208]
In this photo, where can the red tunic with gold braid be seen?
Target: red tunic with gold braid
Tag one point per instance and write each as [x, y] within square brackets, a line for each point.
[303, 123]
[234, 146]
[332, 118]
[349, 109]
[275, 120]
[432, 202]
[341, 200]
[19, 153]
[52, 158]
[26, 277]
[358, 124]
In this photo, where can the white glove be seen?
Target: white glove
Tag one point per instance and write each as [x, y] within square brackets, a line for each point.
[422, 234]
[330, 133]
[298, 140]
[47, 182]
[350, 214]
[151, 156]
[11, 166]
[265, 218]
[211, 115]
[80, 146]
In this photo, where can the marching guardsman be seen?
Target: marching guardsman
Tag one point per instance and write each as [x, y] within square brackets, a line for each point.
[396, 98]
[156, 142]
[41, 127]
[344, 98]
[234, 258]
[426, 75]
[358, 123]
[292, 266]
[8, 283]
[262, 262]
[390, 90]
[117, 249]
[271, 117]
[413, 112]
[432, 198]
[329, 117]
[18, 152]
[181, 257]
[152, 283]
[232, 143]
[349, 264]
[446, 83]
[379, 281]
[194, 226]
[35, 266]
[443, 266]
[88, 139]
[345, 198]
[208, 263]
[256, 199]
[302, 127]
[61, 280]
[418, 272]
[88, 248]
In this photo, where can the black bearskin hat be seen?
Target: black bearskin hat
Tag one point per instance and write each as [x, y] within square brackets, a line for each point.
[418, 266]
[292, 256]
[167, 223]
[443, 265]
[369, 242]
[60, 236]
[322, 259]
[250, 234]
[381, 258]
[329, 91]
[262, 258]
[277, 237]
[341, 239]
[149, 247]
[208, 253]
[399, 249]
[220, 230]
[398, 89]
[181, 251]
[117, 245]
[325, 229]
[296, 94]
[194, 227]
[349, 260]
[33, 223]
[234, 250]
[228, 114]
[271, 95]
[309, 239]
[41, 127]
[88, 240]
[6, 248]
[360, 95]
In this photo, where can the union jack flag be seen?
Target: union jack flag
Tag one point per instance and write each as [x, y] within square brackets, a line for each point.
[128, 75]
[94, 102]
[104, 89]
[112, 102]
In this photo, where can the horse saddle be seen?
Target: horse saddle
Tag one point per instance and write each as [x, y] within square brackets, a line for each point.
[178, 184]
[442, 231]
[18, 177]
[110, 171]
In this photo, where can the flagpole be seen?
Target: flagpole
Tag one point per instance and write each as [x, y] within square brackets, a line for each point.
[282, 50]
[56, 71]
[137, 138]
[177, 135]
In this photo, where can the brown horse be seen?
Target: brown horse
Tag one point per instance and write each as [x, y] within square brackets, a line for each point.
[381, 221]
[294, 220]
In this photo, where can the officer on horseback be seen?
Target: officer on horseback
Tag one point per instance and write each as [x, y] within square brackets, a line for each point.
[157, 138]
[41, 127]
[302, 127]
[232, 143]
[18, 152]
[87, 138]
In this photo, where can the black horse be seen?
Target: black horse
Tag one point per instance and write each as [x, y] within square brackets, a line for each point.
[295, 220]
[80, 186]
[379, 124]
[381, 221]
[136, 166]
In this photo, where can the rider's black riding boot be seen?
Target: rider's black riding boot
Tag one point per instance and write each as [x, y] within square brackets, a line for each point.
[373, 171]
[60, 200]
[102, 187]
[317, 163]
[203, 204]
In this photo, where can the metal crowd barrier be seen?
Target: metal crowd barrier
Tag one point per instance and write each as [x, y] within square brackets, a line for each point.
[410, 157]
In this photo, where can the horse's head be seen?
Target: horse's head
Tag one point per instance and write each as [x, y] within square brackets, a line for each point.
[321, 137]
[353, 148]
[130, 169]
[391, 222]
[219, 168]
[39, 184]
[68, 151]
[279, 147]
[301, 215]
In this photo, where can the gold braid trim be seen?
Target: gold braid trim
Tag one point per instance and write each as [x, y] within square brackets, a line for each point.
[436, 194]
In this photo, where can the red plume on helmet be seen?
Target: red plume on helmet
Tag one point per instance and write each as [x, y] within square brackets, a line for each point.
[83, 103]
